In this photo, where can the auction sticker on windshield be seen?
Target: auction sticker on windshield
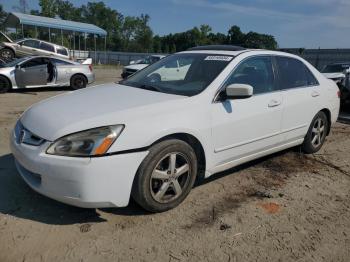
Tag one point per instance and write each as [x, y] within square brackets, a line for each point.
[219, 58]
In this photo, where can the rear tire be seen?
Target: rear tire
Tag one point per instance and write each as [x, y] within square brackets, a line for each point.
[5, 84]
[78, 82]
[166, 176]
[7, 54]
[316, 134]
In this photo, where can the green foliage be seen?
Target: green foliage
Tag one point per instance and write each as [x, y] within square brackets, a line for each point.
[133, 33]
[3, 16]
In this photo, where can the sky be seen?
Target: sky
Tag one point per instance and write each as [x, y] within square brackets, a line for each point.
[294, 23]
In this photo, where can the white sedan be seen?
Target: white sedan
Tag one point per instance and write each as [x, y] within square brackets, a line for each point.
[149, 137]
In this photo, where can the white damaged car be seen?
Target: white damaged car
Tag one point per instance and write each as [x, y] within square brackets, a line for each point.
[139, 65]
[151, 136]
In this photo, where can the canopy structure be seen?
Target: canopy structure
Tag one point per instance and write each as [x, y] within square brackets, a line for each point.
[16, 19]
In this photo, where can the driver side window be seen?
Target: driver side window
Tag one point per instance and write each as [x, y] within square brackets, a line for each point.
[33, 62]
[255, 71]
[31, 43]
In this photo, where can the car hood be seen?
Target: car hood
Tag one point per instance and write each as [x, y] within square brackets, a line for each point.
[7, 37]
[103, 105]
[334, 75]
[136, 66]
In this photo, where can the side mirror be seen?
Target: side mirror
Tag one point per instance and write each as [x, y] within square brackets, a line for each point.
[18, 66]
[238, 91]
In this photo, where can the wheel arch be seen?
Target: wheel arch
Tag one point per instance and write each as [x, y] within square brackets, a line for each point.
[195, 143]
[8, 80]
[11, 48]
[328, 114]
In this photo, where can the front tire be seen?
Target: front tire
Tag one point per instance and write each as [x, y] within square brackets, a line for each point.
[7, 54]
[5, 85]
[166, 176]
[78, 82]
[316, 134]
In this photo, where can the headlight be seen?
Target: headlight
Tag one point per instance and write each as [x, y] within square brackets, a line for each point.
[93, 142]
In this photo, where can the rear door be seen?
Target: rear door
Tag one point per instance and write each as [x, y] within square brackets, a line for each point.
[32, 73]
[46, 49]
[301, 97]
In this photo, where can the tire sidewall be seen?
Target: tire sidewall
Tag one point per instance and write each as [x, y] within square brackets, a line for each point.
[307, 145]
[141, 191]
[11, 52]
[73, 80]
[7, 88]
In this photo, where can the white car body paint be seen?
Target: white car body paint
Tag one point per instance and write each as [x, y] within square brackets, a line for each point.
[230, 132]
[334, 75]
[136, 66]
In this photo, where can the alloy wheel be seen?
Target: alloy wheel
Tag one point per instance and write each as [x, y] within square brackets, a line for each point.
[6, 54]
[318, 132]
[170, 176]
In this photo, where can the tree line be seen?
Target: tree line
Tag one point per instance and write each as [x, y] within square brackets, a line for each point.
[133, 33]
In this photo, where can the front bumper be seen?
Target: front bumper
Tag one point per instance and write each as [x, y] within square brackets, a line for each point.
[84, 182]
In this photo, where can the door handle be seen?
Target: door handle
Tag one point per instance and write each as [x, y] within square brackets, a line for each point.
[274, 103]
[315, 94]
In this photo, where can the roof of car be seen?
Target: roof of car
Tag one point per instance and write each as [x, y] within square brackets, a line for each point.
[54, 57]
[340, 63]
[23, 39]
[217, 48]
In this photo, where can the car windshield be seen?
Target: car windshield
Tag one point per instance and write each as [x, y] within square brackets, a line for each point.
[146, 61]
[185, 74]
[14, 62]
[335, 68]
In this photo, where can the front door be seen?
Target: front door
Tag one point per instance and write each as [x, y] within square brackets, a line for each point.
[28, 47]
[32, 73]
[244, 127]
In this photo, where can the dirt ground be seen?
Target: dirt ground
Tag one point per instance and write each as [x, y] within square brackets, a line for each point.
[286, 207]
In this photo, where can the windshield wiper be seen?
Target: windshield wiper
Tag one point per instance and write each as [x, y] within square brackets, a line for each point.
[149, 87]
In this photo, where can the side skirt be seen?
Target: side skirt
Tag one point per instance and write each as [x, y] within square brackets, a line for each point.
[254, 156]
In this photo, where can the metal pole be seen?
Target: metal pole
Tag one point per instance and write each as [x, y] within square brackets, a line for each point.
[62, 37]
[22, 31]
[74, 44]
[105, 49]
[85, 36]
[79, 45]
[36, 32]
[49, 34]
[95, 49]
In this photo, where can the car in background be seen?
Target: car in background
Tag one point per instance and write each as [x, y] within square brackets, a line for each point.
[336, 71]
[10, 49]
[151, 136]
[44, 71]
[340, 73]
[140, 64]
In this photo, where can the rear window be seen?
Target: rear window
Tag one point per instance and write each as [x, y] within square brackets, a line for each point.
[293, 73]
[61, 51]
[47, 47]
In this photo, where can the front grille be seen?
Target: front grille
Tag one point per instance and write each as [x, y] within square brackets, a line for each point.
[24, 136]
